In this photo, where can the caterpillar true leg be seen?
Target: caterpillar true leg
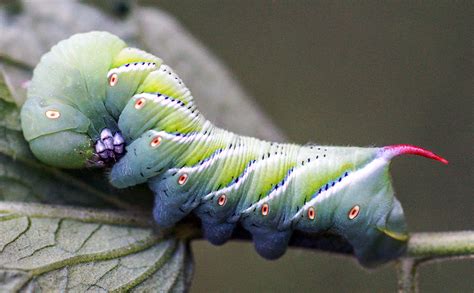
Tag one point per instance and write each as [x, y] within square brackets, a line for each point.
[108, 148]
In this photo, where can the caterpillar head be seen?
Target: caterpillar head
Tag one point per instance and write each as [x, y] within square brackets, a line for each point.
[57, 133]
[64, 113]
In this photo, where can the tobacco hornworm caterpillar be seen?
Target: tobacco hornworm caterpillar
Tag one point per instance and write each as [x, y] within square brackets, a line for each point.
[91, 98]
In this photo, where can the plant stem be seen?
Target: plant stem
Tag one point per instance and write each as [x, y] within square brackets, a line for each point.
[424, 247]
[441, 244]
[407, 275]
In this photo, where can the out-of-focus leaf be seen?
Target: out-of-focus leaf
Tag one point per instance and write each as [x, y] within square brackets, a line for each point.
[9, 112]
[218, 94]
[46, 249]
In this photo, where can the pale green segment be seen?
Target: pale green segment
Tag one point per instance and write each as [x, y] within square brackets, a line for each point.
[132, 55]
[221, 173]
[182, 121]
[268, 173]
[329, 163]
[65, 149]
[142, 161]
[203, 148]
[128, 80]
[75, 71]
[231, 168]
[36, 123]
[166, 82]
[156, 114]
[127, 83]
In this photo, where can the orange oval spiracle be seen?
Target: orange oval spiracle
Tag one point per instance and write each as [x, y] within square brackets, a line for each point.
[222, 200]
[140, 103]
[354, 212]
[311, 213]
[182, 179]
[155, 142]
[52, 114]
[265, 209]
[113, 79]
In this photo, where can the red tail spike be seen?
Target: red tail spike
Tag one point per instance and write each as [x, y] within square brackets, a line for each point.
[400, 149]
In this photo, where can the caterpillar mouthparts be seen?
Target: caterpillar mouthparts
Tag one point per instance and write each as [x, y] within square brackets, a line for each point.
[108, 149]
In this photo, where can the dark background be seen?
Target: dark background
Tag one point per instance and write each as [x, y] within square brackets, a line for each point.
[351, 74]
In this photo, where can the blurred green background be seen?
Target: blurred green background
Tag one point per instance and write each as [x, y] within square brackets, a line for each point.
[351, 74]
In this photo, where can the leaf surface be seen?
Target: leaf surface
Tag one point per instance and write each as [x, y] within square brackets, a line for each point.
[56, 248]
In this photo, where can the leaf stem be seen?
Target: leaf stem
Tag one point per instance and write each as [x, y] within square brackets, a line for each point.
[407, 275]
[441, 244]
[424, 247]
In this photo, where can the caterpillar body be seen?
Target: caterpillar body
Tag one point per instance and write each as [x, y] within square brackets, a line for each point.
[95, 102]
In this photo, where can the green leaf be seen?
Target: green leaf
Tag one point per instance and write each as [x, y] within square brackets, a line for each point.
[46, 248]
[9, 112]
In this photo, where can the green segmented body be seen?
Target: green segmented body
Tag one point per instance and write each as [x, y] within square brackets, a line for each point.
[271, 189]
